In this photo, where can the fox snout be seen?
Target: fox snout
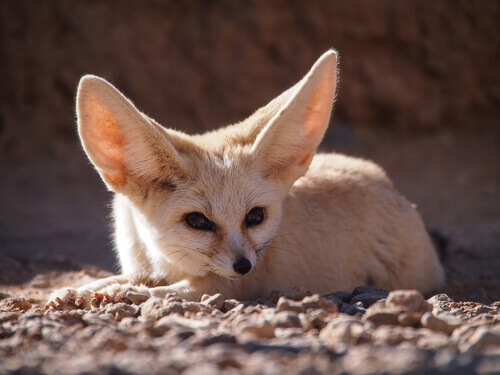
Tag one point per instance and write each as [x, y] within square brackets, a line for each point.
[242, 265]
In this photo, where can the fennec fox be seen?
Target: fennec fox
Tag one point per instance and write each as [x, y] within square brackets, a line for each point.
[248, 208]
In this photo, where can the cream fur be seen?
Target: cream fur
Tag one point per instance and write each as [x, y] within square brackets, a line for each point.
[331, 223]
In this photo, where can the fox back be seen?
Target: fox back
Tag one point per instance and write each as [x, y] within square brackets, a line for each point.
[249, 208]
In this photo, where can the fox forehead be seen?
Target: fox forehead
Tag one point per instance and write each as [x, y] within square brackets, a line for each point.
[223, 186]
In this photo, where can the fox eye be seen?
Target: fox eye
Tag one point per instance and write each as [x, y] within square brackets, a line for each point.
[199, 221]
[255, 216]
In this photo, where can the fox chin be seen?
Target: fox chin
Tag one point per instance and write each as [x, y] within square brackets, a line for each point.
[248, 208]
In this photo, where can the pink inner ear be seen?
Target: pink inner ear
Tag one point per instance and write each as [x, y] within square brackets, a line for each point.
[102, 137]
[317, 113]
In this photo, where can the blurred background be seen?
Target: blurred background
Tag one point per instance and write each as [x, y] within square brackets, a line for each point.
[419, 94]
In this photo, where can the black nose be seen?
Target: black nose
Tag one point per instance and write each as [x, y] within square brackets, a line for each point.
[242, 266]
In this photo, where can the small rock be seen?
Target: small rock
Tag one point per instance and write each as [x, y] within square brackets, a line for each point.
[345, 331]
[393, 335]
[285, 304]
[286, 319]
[369, 289]
[8, 316]
[317, 302]
[287, 333]
[274, 296]
[137, 298]
[409, 301]
[435, 342]
[157, 308]
[15, 304]
[257, 327]
[202, 368]
[181, 324]
[298, 293]
[484, 337]
[439, 298]
[216, 301]
[121, 310]
[411, 319]
[342, 295]
[4, 295]
[193, 307]
[253, 309]
[95, 318]
[331, 297]
[355, 308]
[483, 309]
[40, 281]
[217, 338]
[436, 324]
[367, 299]
[129, 323]
[315, 319]
[230, 304]
[344, 308]
[381, 316]
[366, 359]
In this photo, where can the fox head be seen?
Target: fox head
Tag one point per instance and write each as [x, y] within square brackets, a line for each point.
[210, 203]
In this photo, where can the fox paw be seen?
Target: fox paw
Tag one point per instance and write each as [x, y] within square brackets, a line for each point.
[69, 299]
[125, 293]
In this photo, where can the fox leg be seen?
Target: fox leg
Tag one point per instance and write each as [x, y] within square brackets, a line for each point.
[134, 293]
[73, 298]
[121, 288]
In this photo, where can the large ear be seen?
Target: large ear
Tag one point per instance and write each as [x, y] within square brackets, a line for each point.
[123, 144]
[285, 147]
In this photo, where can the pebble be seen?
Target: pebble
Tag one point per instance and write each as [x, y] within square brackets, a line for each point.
[8, 316]
[298, 293]
[15, 304]
[342, 295]
[286, 319]
[409, 319]
[157, 308]
[354, 309]
[331, 297]
[121, 310]
[367, 299]
[274, 296]
[382, 315]
[369, 289]
[399, 333]
[483, 337]
[216, 301]
[315, 319]
[256, 327]
[439, 299]
[436, 341]
[181, 324]
[435, 323]
[40, 281]
[317, 302]
[408, 300]
[230, 304]
[285, 304]
[345, 331]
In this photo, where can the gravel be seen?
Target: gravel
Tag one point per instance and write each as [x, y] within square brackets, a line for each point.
[368, 330]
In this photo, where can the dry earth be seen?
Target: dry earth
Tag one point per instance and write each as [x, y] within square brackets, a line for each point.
[363, 331]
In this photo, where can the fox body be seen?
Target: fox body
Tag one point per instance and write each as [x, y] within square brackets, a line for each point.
[248, 208]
